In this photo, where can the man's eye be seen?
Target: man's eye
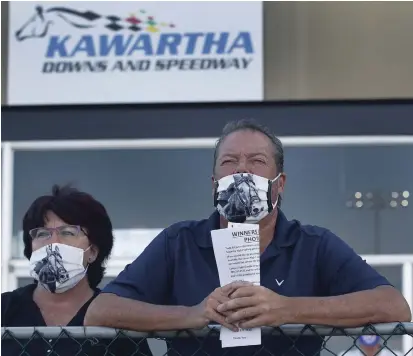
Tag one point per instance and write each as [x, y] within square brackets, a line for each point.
[227, 161]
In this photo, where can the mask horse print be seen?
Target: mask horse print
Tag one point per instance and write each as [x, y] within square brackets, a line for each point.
[51, 270]
[241, 198]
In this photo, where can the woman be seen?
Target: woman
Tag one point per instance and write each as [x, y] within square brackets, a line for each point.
[67, 238]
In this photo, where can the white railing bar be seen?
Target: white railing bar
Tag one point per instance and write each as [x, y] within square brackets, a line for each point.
[407, 290]
[113, 144]
[191, 143]
[387, 260]
[7, 167]
[374, 260]
[121, 261]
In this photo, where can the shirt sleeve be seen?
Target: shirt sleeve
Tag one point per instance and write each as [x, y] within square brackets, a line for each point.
[146, 279]
[342, 270]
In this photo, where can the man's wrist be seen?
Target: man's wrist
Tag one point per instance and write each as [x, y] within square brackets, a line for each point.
[292, 310]
[176, 318]
[193, 318]
[303, 310]
[284, 310]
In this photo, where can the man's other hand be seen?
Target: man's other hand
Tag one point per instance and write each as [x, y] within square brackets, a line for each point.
[255, 306]
[207, 311]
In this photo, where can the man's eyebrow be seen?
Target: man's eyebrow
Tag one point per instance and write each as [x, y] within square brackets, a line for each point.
[235, 155]
[230, 155]
[257, 154]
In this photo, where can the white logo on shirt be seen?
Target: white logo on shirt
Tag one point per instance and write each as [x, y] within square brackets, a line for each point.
[279, 282]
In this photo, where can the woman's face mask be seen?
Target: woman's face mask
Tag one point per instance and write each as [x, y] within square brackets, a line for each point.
[244, 197]
[58, 267]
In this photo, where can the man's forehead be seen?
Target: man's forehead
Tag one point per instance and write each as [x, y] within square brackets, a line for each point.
[245, 142]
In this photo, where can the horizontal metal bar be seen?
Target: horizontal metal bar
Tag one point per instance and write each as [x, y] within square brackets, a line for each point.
[291, 330]
[387, 260]
[193, 143]
[374, 260]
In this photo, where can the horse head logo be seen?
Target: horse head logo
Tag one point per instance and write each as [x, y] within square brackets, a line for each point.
[38, 24]
[36, 27]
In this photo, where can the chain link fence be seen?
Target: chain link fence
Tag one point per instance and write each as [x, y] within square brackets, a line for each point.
[288, 340]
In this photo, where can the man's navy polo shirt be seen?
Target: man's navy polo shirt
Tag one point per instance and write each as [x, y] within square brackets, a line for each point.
[178, 268]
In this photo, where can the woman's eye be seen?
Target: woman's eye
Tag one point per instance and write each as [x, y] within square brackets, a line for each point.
[67, 233]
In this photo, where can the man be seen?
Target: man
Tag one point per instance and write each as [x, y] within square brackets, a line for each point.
[370, 345]
[308, 275]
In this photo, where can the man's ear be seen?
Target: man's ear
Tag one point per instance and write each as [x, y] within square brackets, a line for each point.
[281, 183]
[213, 185]
[278, 186]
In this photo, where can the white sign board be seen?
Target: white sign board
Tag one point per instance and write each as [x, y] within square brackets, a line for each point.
[134, 52]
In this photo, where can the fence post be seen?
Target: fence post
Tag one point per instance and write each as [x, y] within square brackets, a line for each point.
[7, 167]
[407, 290]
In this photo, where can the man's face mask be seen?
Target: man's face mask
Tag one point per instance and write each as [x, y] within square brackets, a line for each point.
[58, 267]
[244, 197]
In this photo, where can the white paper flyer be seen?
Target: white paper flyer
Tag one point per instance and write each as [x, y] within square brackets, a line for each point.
[237, 254]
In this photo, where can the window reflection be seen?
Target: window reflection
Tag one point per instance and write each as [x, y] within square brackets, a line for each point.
[151, 189]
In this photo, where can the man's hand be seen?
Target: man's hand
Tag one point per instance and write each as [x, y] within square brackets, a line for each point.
[255, 306]
[205, 312]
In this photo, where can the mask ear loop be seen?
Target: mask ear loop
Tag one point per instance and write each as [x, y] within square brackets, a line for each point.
[269, 193]
[89, 262]
[216, 193]
[269, 197]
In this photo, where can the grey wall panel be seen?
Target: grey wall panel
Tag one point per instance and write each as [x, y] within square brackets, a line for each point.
[338, 50]
[154, 121]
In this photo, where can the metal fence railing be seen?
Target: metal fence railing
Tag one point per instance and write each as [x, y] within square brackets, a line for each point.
[288, 340]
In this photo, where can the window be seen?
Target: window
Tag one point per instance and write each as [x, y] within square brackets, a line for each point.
[140, 188]
[321, 181]
[151, 189]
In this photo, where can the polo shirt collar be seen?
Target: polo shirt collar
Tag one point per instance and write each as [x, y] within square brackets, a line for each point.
[283, 236]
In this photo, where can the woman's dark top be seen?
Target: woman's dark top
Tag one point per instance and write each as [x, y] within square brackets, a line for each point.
[18, 309]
